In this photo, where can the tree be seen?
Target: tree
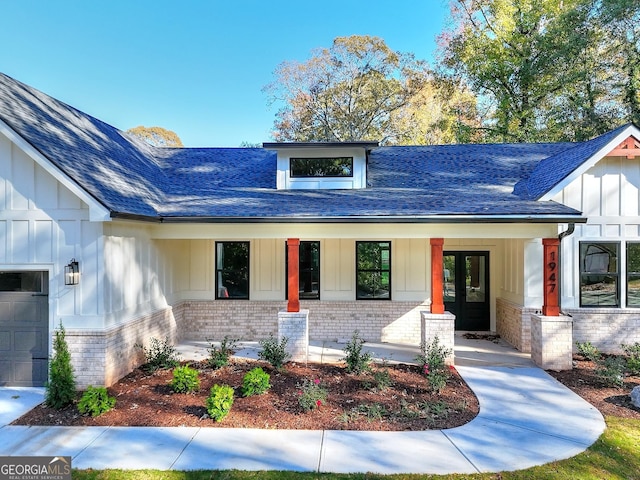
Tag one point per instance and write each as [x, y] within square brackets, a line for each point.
[61, 388]
[547, 70]
[358, 89]
[156, 136]
[518, 55]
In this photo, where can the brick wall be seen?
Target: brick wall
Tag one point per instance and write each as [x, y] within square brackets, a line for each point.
[443, 327]
[551, 342]
[606, 328]
[102, 357]
[377, 321]
[513, 323]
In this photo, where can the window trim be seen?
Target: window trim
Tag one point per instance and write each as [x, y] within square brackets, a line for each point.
[286, 269]
[617, 274]
[358, 297]
[218, 270]
[292, 175]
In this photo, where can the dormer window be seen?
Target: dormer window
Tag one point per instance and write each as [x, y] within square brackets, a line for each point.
[321, 167]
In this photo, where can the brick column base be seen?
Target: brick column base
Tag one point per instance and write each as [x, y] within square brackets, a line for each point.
[552, 342]
[440, 325]
[295, 326]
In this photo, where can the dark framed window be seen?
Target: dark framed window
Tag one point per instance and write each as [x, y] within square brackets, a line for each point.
[309, 271]
[232, 270]
[373, 270]
[321, 167]
[633, 274]
[599, 274]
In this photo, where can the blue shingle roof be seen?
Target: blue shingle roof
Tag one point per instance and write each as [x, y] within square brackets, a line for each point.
[131, 178]
[551, 171]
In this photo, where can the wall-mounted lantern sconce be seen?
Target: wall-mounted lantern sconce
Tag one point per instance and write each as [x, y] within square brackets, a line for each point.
[72, 273]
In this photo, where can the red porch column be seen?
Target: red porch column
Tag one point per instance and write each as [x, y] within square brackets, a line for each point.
[551, 305]
[293, 274]
[437, 299]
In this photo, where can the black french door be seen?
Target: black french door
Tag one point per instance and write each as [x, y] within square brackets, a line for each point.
[466, 289]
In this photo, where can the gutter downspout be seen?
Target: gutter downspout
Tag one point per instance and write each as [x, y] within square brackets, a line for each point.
[569, 231]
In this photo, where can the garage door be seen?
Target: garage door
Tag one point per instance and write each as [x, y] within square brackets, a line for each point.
[24, 329]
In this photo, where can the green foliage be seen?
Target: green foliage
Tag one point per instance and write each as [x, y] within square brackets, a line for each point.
[373, 411]
[219, 356]
[255, 382]
[219, 402]
[432, 363]
[357, 360]
[378, 379]
[96, 401]
[311, 394]
[610, 371]
[633, 357]
[588, 351]
[160, 355]
[185, 380]
[274, 351]
[61, 387]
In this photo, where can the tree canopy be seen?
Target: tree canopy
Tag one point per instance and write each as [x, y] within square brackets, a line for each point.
[546, 70]
[360, 89]
[156, 136]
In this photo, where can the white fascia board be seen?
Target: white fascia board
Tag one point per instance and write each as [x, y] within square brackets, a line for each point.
[599, 155]
[97, 211]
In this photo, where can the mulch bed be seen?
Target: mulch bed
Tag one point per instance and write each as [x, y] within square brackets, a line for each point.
[146, 399]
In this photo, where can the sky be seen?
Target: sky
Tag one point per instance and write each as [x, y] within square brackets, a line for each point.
[196, 67]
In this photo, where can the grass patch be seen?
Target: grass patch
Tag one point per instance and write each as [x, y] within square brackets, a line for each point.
[615, 456]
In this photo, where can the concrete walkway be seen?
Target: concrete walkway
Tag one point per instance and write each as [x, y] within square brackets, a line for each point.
[526, 418]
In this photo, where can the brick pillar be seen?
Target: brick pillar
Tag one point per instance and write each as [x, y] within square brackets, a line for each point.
[551, 303]
[293, 274]
[437, 298]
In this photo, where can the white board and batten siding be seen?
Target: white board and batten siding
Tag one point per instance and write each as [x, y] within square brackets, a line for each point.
[608, 194]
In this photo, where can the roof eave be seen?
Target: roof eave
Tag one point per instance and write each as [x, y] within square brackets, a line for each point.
[452, 219]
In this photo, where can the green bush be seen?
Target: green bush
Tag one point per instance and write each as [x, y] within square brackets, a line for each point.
[60, 390]
[255, 382]
[357, 360]
[274, 352]
[160, 355]
[588, 351]
[96, 401]
[633, 357]
[610, 371]
[432, 363]
[378, 379]
[185, 380]
[311, 394]
[219, 356]
[219, 402]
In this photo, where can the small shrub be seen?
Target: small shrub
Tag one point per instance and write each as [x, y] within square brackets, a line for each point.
[255, 382]
[219, 356]
[588, 351]
[633, 357]
[219, 402]
[185, 380]
[60, 390]
[610, 371]
[274, 352]
[311, 394]
[357, 360]
[432, 363]
[378, 379]
[160, 355]
[95, 401]
[374, 411]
